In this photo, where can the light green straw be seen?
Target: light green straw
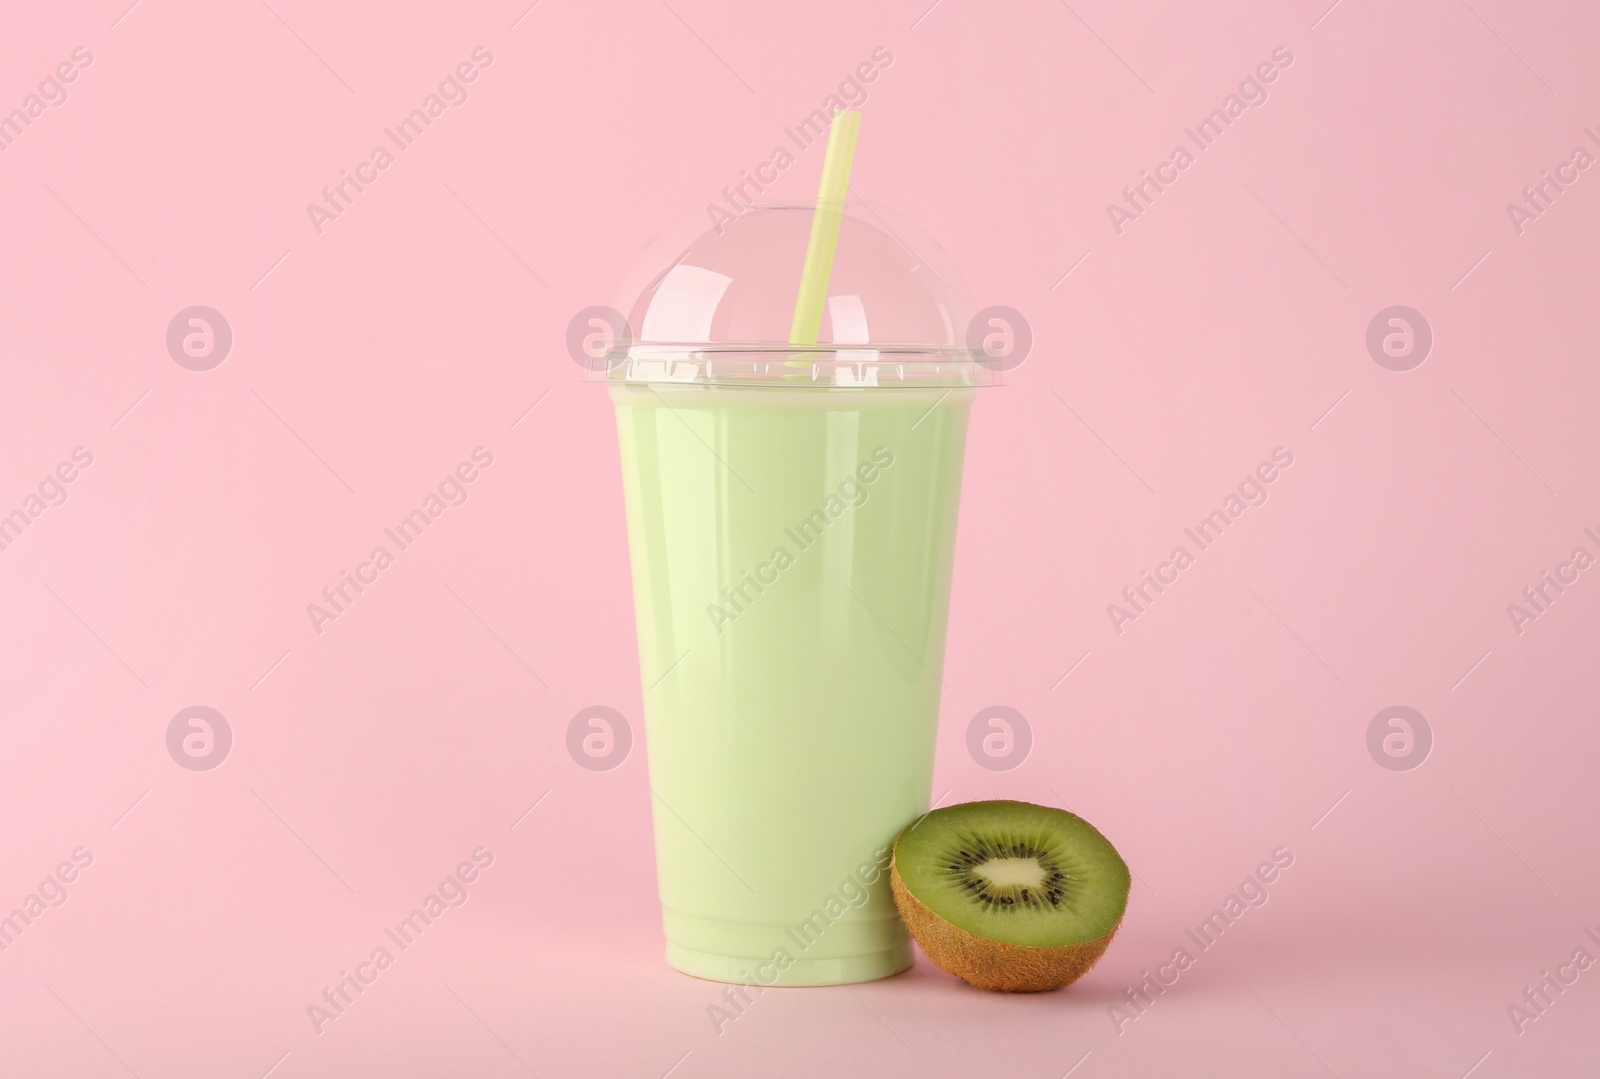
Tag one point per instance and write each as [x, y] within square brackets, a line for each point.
[825, 222]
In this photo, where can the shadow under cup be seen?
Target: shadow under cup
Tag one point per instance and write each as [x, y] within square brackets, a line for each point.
[791, 540]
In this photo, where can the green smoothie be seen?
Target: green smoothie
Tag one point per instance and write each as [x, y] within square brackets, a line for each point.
[791, 551]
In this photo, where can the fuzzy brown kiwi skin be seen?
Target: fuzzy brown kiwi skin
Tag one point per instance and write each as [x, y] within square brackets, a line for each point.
[987, 963]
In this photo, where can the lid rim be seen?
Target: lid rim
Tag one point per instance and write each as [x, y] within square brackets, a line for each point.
[784, 348]
[830, 368]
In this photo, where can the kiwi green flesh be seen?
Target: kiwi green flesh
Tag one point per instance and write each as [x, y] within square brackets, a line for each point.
[1015, 872]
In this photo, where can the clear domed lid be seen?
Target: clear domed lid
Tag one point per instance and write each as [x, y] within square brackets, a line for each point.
[716, 303]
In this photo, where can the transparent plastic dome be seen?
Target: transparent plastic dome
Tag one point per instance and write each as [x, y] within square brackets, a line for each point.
[714, 304]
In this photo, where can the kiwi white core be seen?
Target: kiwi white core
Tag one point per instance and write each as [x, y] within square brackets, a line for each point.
[1000, 872]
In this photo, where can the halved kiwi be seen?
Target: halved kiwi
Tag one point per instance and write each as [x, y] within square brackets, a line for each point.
[1009, 895]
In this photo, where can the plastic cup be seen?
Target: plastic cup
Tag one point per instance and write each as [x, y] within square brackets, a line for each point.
[791, 532]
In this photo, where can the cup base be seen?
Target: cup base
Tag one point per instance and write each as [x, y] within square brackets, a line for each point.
[748, 970]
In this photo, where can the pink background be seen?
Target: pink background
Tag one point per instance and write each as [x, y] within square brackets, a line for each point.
[367, 361]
